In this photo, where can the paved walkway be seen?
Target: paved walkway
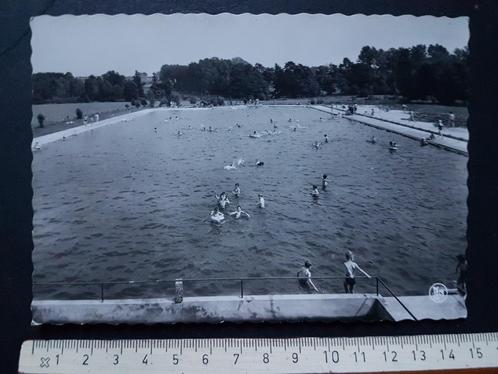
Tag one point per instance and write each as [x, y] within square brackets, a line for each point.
[423, 307]
[446, 142]
[403, 118]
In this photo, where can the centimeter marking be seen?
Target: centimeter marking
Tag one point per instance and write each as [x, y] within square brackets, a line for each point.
[294, 355]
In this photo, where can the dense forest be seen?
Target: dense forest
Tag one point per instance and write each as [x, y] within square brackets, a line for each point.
[418, 73]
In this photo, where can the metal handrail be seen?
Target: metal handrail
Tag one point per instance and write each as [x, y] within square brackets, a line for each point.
[393, 295]
[150, 281]
[102, 284]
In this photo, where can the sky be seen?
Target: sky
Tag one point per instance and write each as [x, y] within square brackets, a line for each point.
[85, 45]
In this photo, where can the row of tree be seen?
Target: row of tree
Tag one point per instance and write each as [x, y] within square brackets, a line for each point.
[416, 73]
[111, 86]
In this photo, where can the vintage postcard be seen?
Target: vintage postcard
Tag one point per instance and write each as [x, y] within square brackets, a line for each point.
[210, 168]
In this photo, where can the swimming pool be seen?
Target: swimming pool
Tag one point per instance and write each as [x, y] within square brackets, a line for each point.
[128, 202]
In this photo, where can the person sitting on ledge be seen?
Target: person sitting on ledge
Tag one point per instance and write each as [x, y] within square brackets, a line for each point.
[304, 278]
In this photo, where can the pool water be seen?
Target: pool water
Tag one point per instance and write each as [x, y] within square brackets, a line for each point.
[128, 202]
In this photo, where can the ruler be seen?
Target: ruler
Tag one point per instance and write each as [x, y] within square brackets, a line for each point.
[297, 355]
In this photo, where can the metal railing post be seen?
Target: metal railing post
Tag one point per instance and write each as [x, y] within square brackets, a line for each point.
[178, 291]
[101, 292]
[241, 288]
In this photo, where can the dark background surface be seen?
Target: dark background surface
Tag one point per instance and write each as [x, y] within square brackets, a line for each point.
[15, 169]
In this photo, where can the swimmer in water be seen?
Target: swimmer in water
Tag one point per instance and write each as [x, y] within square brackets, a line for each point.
[236, 190]
[239, 213]
[230, 167]
[290, 120]
[155, 129]
[373, 140]
[294, 129]
[326, 138]
[222, 200]
[179, 133]
[271, 120]
[216, 215]
[315, 192]
[325, 182]
[351, 266]
[210, 129]
[261, 201]
[259, 163]
[316, 145]
[237, 125]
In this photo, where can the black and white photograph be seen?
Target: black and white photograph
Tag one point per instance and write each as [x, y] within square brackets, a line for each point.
[249, 168]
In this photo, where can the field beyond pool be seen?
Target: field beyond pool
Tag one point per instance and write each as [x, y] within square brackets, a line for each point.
[128, 202]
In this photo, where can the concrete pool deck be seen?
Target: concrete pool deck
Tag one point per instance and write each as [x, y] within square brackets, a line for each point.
[445, 142]
[261, 308]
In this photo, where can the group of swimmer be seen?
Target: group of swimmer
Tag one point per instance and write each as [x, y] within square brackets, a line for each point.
[217, 215]
[393, 146]
[304, 275]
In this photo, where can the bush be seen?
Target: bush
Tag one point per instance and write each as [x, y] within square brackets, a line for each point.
[79, 113]
[143, 102]
[41, 119]
[193, 100]
[175, 99]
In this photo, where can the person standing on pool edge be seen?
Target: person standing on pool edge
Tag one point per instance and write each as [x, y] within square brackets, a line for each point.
[351, 266]
[304, 278]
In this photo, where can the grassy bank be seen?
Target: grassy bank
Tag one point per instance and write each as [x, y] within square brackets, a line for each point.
[59, 112]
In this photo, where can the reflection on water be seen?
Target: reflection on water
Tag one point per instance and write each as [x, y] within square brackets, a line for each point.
[128, 202]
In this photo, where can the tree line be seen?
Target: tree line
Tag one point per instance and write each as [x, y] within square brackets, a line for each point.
[111, 86]
[417, 73]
